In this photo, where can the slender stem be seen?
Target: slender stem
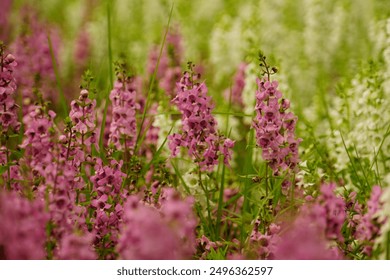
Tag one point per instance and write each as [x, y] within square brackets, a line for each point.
[220, 201]
[8, 168]
[266, 180]
[206, 194]
[222, 187]
[69, 142]
[147, 100]
[248, 168]
[109, 43]
[293, 190]
[57, 76]
[107, 97]
[388, 246]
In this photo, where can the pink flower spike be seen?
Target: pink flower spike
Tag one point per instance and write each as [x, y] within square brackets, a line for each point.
[199, 127]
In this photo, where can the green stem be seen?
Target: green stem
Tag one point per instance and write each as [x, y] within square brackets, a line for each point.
[388, 246]
[147, 101]
[8, 169]
[248, 167]
[58, 79]
[220, 201]
[107, 98]
[207, 197]
[266, 180]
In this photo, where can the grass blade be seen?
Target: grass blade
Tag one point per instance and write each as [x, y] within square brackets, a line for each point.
[147, 101]
[58, 79]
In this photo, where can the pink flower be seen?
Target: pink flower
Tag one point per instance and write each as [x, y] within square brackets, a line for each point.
[123, 128]
[106, 204]
[82, 133]
[101, 203]
[8, 107]
[199, 127]
[82, 113]
[264, 245]
[151, 233]
[318, 225]
[76, 247]
[5, 13]
[169, 69]
[368, 224]
[304, 241]
[335, 211]
[238, 86]
[34, 58]
[82, 48]
[38, 141]
[23, 228]
[275, 130]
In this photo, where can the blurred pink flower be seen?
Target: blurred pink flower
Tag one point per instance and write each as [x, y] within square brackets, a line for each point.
[151, 233]
[23, 228]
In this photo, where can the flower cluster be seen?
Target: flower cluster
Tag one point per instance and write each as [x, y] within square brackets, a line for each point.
[275, 128]
[318, 225]
[264, 245]
[82, 48]
[106, 204]
[35, 58]
[38, 140]
[174, 51]
[367, 222]
[82, 115]
[61, 185]
[205, 246]
[235, 93]
[347, 143]
[6, 6]
[66, 195]
[23, 228]
[169, 69]
[152, 233]
[9, 123]
[305, 240]
[76, 247]
[199, 127]
[123, 128]
[332, 209]
[8, 107]
[12, 177]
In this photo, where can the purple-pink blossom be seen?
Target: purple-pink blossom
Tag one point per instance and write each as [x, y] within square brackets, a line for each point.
[169, 68]
[82, 134]
[8, 107]
[235, 93]
[275, 128]
[35, 58]
[38, 140]
[334, 210]
[106, 203]
[369, 225]
[305, 240]
[123, 128]
[167, 232]
[76, 247]
[265, 244]
[23, 227]
[199, 127]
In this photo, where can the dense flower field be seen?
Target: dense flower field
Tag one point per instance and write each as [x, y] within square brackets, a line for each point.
[195, 129]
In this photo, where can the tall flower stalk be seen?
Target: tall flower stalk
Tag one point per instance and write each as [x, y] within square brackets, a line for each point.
[123, 128]
[9, 123]
[199, 128]
[275, 126]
